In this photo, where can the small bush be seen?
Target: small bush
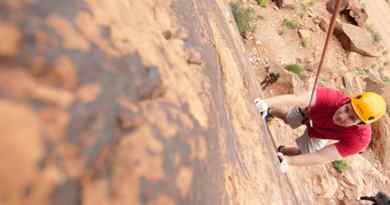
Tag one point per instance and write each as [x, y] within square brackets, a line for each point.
[340, 165]
[243, 18]
[295, 68]
[262, 3]
[290, 24]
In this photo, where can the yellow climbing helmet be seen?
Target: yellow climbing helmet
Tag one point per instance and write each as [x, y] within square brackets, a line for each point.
[368, 106]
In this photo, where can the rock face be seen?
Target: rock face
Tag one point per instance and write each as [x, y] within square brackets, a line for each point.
[355, 39]
[101, 104]
[21, 149]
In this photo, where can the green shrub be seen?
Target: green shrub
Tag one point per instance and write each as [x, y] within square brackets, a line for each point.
[295, 68]
[243, 18]
[262, 3]
[340, 165]
[290, 24]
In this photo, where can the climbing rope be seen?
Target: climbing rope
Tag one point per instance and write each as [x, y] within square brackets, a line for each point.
[329, 33]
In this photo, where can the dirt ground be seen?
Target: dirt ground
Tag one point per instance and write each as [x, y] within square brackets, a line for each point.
[147, 102]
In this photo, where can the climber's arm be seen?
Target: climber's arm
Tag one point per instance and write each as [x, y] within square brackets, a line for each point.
[325, 155]
[290, 100]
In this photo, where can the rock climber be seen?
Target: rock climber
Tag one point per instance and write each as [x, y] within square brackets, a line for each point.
[333, 116]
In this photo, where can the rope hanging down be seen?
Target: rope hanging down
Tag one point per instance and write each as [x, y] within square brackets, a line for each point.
[329, 33]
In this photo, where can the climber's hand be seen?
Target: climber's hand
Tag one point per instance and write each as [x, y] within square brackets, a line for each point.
[283, 162]
[262, 107]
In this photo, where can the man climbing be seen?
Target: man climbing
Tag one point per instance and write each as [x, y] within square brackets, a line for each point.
[332, 116]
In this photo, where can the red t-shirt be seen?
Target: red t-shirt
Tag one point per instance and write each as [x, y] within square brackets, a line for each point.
[351, 140]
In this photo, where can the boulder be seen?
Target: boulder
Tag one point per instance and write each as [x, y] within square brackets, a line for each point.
[330, 6]
[351, 11]
[355, 39]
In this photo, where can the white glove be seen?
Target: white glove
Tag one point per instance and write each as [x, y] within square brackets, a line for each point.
[262, 107]
[283, 162]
